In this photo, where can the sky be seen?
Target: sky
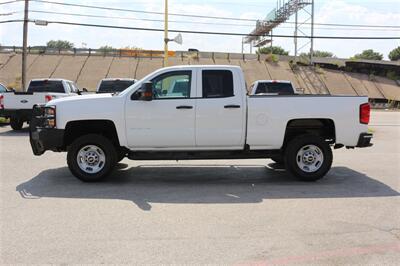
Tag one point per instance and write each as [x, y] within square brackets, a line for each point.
[385, 12]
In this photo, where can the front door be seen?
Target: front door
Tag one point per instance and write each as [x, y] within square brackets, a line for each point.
[168, 121]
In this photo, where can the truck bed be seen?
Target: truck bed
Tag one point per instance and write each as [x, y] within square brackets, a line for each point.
[268, 117]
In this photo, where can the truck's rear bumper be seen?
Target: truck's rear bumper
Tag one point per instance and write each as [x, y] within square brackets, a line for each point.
[24, 114]
[364, 140]
[42, 138]
[3, 113]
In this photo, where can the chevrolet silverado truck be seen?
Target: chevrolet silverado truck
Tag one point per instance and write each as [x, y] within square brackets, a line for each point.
[18, 105]
[209, 117]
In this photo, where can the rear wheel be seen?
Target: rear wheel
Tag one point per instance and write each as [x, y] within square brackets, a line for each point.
[16, 123]
[91, 157]
[308, 157]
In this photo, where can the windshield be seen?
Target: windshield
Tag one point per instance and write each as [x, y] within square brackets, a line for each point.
[275, 87]
[109, 86]
[2, 88]
[46, 86]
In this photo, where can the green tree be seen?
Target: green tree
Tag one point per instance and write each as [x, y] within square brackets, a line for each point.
[369, 55]
[132, 48]
[274, 50]
[395, 54]
[106, 48]
[60, 44]
[318, 53]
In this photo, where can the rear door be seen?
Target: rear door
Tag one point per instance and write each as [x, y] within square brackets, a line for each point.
[220, 112]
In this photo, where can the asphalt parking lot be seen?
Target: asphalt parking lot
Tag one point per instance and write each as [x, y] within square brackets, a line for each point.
[244, 212]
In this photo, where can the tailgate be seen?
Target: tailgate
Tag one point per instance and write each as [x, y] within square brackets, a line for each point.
[23, 100]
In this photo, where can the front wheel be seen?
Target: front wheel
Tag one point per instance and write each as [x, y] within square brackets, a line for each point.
[308, 157]
[91, 157]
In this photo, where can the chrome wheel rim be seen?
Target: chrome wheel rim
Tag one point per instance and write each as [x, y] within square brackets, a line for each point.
[310, 158]
[91, 159]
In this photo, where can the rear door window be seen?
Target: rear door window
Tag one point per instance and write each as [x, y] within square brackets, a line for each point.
[46, 86]
[217, 83]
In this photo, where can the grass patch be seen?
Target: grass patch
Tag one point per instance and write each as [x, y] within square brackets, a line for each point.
[4, 120]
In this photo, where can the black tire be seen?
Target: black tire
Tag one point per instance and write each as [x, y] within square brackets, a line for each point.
[296, 146]
[108, 151]
[16, 123]
[121, 155]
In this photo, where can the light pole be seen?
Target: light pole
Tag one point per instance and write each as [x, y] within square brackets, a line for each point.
[166, 34]
[312, 34]
[24, 45]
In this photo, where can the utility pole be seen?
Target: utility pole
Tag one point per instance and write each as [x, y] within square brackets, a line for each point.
[24, 45]
[295, 35]
[166, 40]
[312, 34]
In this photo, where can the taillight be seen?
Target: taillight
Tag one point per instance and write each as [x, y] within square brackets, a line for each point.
[48, 98]
[365, 111]
[1, 101]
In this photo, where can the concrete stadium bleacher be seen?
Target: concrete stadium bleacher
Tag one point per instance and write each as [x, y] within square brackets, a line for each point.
[254, 70]
[147, 65]
[95, 69]
[69, 67]
[44, 66]
[10, 73]
[88, 70]
[337, 82]
[388, 87]
[124, 67]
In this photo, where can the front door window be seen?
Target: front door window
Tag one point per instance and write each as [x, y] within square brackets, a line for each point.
[172, 85]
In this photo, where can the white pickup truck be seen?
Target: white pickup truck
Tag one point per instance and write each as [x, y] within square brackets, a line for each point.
[18, 105]
[209, 117]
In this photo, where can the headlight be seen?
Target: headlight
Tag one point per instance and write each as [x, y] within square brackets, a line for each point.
[50, 116]
[49, 111]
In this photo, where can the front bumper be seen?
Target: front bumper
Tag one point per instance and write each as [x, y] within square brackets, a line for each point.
[364, 140]
[42, 138]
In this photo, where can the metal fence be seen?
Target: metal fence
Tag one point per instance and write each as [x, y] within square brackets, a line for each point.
[138, 53]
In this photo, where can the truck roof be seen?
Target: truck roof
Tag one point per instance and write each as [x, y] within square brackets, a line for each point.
[273, 81]
[203, 66]
[52, 79]
[123, 79]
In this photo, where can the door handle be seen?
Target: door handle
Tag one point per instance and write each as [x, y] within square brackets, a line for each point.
[184, 107]
[231, 106]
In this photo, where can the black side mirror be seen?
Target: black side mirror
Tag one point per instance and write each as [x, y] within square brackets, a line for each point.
[145, 93]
